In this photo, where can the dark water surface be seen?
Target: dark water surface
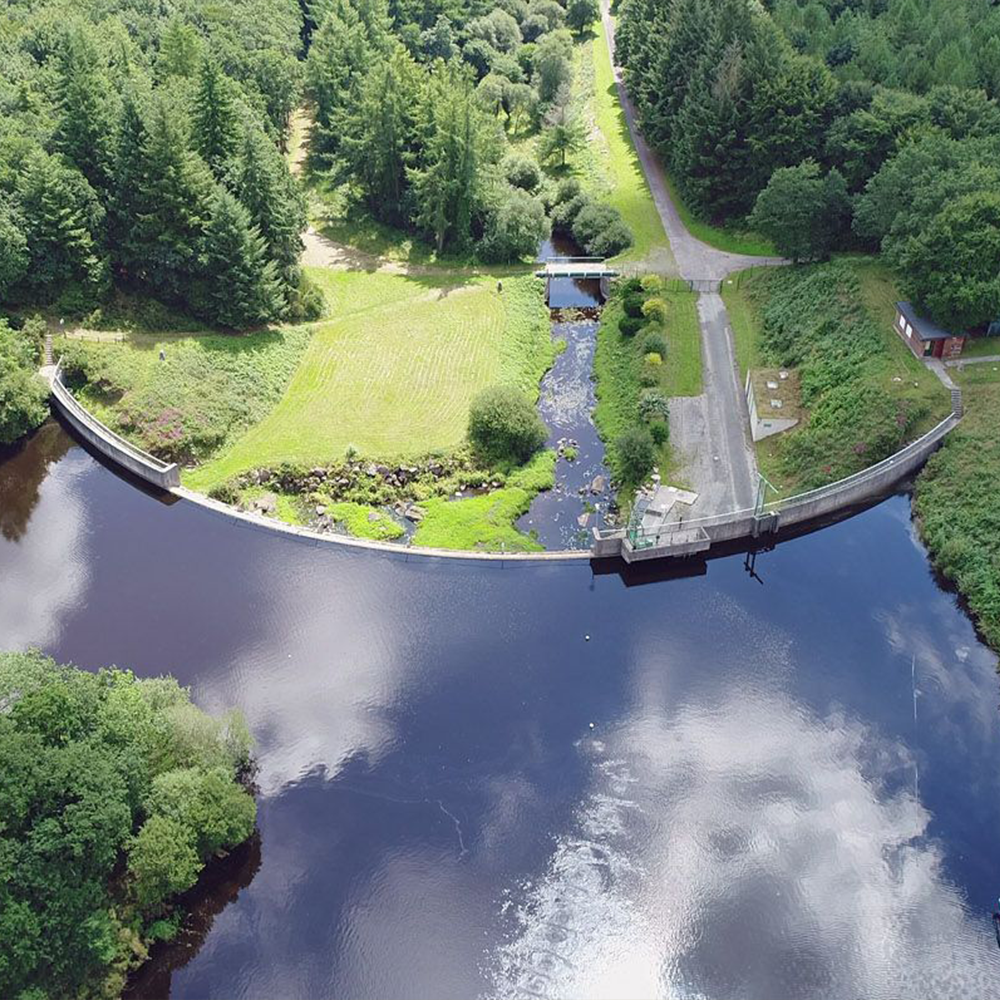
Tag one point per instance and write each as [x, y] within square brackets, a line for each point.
[731, 790]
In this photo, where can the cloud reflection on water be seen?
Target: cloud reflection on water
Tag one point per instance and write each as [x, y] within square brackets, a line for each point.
[741, 845]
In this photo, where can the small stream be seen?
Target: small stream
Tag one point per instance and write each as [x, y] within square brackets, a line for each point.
[561, 518]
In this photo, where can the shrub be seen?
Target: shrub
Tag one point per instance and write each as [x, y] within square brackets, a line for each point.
[592, 221]
[629, 326]
[653, 359]
[632, 286]
[522, 172]
[634, 454]
[611, 240]
[305, 302]
[23, 395]
[504, 426]
[653, 404]
[632, 303]
[655, 309]
[515, 227]
[660, 432]
[566, 190]
[654, 342]
[564, 213]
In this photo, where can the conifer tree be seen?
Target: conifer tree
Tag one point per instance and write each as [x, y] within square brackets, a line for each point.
[267, 190]
[85, 116]
[214, 117]
[63, 227]
[241, 285]
[379, 139]
[172, 196]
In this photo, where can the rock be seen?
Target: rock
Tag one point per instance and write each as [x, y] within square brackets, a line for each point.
[414, 514]
[373, 516]
[583, 520]
[371, 469]
[266, 503]
[318, 472]
[597, 486]
[320, 510]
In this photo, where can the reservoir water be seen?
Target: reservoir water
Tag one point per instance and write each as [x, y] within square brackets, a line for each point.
[769, 787]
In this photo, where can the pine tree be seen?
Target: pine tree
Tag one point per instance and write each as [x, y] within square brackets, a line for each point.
[379, 139]
[85, 116]
[350, 39]
[267, 190]
[63, 227]
[172, 196]
[456, 147]
[242, 285]
[214, 117]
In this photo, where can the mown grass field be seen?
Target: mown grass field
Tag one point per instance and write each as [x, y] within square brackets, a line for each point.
[394, 373]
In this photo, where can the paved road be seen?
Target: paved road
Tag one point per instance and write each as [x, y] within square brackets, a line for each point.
[712, 431]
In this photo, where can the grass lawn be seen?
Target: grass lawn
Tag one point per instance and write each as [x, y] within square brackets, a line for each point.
[394, 375]
[207, 390]
[982, 347]
[744, 320]
[622, 375]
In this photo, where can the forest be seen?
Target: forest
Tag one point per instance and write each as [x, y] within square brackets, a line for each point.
[827, 125]
[115, 794]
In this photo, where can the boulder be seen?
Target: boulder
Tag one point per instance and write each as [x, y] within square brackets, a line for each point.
[266, 503]
[597, 486]
[414, 514]
[373, 516]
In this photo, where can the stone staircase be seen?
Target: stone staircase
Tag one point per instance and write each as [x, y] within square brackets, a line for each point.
[957, 407]
[47, 350]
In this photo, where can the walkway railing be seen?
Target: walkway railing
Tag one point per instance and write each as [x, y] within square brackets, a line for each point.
[841, 495]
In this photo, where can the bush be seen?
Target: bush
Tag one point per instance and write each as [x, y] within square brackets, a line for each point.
[653, 359]
[23, 395]
[632, 303]
[653, 404]
[599, 229]
[634, 455]
[610, 241]
[632, 286]
[653, 342]
[629, 326]
[305, 302]
[515, 227]
[655, 309]
[504, 426]
[564, 213]
[566, 190]
[522, 172]
[660, 432]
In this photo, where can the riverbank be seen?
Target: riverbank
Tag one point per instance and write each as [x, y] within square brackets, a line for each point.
[955, 501]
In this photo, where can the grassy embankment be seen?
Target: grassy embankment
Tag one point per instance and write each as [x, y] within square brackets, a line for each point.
[394, 373]
[622, 373]
[609, 166]
[955, 500]
[391, 377]
[863, 392]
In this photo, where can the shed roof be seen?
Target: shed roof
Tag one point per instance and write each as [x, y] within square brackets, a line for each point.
[926, 330]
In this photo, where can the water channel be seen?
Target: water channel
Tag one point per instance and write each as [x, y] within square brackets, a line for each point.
[561, 518]
[775, 787]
